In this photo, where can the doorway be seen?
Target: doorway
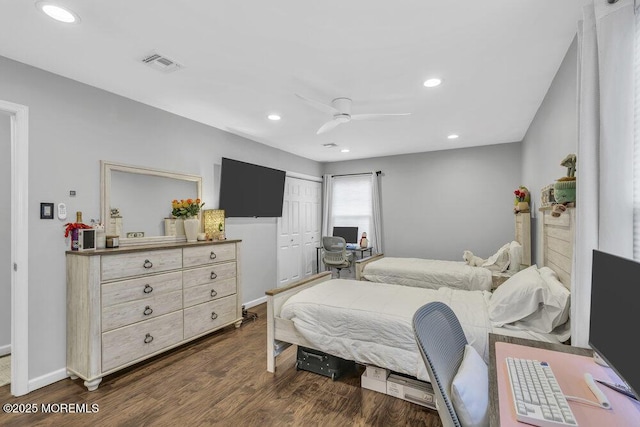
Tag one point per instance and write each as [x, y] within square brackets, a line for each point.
[18, 252]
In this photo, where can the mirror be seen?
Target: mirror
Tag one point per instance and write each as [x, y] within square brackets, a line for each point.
[138, 200]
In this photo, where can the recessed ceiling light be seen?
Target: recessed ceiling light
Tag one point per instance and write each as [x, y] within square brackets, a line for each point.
[453, 136]
[344, 150]
[432, 82]
[273, 117]
[57, 12]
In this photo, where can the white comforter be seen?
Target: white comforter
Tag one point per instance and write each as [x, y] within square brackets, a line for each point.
[428, 273]
[373, 323]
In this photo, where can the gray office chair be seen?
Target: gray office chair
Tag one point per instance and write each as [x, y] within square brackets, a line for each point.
[334, 253]
[441, 342]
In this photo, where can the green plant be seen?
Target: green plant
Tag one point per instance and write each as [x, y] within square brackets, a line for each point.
[186, 208]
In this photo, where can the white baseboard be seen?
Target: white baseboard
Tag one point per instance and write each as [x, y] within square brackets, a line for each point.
[5, 349]
[255, 302]
[47, 379]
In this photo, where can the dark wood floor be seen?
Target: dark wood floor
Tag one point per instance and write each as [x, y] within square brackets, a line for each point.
[221, 380]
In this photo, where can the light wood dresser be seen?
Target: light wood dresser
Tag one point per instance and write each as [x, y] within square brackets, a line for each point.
[125, 305]
[557, 242]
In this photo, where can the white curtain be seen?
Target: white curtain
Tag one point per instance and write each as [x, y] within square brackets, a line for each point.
[604, 205]
[376, 241]
[326, 204]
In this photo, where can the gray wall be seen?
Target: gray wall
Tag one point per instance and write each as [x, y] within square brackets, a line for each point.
[552, 135]
[72, 127]
[5, 234]
[437, 204]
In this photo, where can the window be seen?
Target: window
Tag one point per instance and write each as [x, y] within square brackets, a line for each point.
[351, 204]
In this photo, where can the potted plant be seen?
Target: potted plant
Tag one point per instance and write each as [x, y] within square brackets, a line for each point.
[522, 199]
[188, 210]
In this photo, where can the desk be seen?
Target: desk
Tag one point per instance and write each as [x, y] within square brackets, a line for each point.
[354, 251]
[569, 365]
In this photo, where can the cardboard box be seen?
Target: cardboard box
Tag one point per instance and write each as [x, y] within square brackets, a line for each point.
[412, 390]
[377, 373]
[373, 383]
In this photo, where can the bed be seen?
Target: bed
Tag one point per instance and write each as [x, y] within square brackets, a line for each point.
[371, 323]
[432, 273]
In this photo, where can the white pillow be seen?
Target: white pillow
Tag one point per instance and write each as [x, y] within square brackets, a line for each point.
[515, 256]
[555, 307]
[498, 261]
[470, 390]
[518, 297]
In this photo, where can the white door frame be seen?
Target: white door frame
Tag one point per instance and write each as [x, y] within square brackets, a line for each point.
[19, 115]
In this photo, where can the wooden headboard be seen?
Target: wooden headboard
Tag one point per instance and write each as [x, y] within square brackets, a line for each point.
[557, 242]
[523, 236]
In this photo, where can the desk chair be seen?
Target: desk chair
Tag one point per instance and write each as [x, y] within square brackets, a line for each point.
[441, 341]
[334, 253]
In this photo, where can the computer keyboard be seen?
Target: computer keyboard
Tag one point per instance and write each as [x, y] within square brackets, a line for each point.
[537, 396]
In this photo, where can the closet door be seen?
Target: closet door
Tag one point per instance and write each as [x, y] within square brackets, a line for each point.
[298, 230]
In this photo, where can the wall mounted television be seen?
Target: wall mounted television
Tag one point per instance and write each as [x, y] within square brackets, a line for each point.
[248, 190]
[615, 292]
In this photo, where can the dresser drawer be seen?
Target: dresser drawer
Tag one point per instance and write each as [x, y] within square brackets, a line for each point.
[138, 263]
[211, 274]
[142, 288]
[208, 316]
[202, 255]
[127, 313]
[210, 291]
[130, 343]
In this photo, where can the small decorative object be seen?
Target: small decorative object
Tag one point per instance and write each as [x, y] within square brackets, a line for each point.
[189, 210]
[546, 197]
[522, 199]
[113, 241]
[115, 212]
[364, 243]
[46, 210]
[202, 237]
[472, 260]
[214, 223]
[72, 229]
[564, 190]
[101, 236]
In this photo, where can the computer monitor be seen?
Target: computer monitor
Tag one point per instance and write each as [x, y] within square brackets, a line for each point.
[615, 292]
[350, 234]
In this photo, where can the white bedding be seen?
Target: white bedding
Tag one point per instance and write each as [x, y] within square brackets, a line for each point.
[373, 323]
[428, 273]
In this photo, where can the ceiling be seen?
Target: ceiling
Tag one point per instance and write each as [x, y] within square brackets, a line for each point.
[243, 60]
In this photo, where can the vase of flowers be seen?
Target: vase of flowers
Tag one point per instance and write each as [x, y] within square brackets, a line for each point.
[523, 197]
[188, 210]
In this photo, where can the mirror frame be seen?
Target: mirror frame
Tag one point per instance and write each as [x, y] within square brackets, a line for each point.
[105, 197]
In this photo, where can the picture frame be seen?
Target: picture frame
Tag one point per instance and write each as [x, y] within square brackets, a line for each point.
[46, 210]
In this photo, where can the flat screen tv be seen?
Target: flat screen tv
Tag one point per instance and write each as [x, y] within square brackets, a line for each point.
[615, 292]
[248, 190]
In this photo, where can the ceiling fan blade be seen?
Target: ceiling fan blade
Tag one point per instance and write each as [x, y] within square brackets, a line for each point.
[319, 105]
[377, 116]
[328, 126]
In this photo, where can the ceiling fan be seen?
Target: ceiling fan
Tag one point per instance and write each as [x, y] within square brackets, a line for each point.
[340, 109]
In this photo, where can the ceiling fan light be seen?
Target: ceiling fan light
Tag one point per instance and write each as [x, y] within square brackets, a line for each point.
[274, 117]
[432, 82]
[345, 150]
[58, 13]
[453, 136]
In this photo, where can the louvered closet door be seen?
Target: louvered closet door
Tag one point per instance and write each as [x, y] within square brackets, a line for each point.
[298, 230]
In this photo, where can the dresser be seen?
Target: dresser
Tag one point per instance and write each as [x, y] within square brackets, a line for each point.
[125, 305]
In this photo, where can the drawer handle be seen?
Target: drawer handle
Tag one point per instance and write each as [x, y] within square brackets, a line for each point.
[213, 275]
[213, 293]
[148, 338]
[214, 315]
[147, 264]
[213, 255]
[147, 311]
[147, 289]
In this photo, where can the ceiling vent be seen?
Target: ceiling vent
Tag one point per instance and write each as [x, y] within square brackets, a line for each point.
[161, 63]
